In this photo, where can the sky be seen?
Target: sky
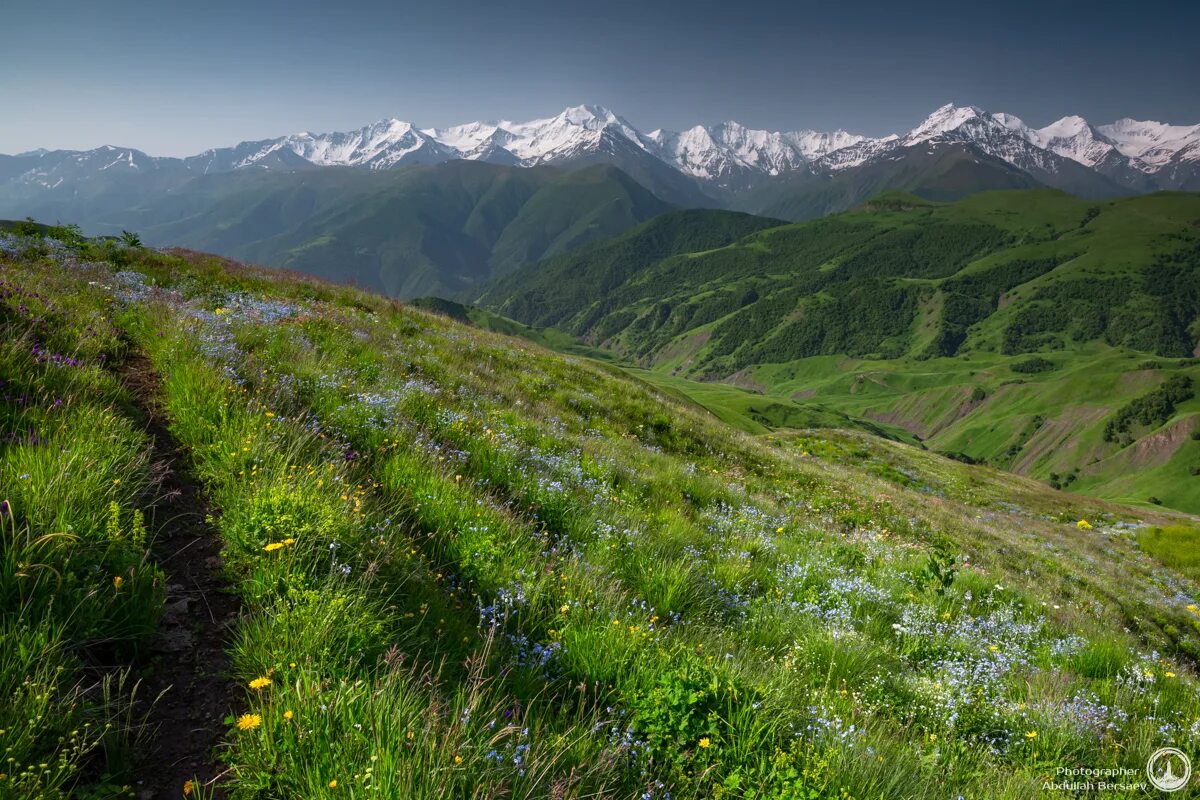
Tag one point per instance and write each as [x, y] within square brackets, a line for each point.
[177, 78]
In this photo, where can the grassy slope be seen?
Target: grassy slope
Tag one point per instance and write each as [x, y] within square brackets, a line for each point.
[470, 567]
[661, 318]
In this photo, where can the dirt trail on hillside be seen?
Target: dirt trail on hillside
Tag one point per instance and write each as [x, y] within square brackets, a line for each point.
[190, 674]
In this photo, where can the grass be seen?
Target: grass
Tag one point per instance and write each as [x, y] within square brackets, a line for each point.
[79, 591]
[1177, 546]
[471, 567]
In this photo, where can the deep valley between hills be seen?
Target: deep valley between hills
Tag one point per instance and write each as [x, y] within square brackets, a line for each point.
[1032, 331]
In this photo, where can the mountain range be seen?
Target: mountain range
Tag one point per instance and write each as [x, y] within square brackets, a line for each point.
[728, 157]
[421, 211]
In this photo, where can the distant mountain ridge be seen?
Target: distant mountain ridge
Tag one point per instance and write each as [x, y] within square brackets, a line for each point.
[414, 211]
[1128, 155]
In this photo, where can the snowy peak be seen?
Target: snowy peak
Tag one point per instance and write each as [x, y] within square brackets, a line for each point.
[814, 144]
[730, 153]
[721, 150]
[384, 144]
[1154, 143]
[947, 118]
[1073, 138]
[588, 116]
[1065, 128]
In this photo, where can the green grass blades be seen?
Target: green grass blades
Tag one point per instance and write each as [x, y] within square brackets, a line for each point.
[79, 597]
[471, 567]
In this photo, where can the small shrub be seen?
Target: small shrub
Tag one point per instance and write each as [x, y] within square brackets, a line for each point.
[1034, 364]
[939, 570]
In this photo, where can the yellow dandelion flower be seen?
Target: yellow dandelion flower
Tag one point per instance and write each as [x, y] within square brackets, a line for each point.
[259, 683]
[1031, 735]
[118, 581]
[289, 541]
[288, 715]
[1169, 674]
[457, 759]
[1083, 525]
[270, 415]
[333, 784]
[705, 743]
[273, 546]
[248, 722]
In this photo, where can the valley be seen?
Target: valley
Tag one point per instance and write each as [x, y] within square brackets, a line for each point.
[1007, 328]
[623, 401]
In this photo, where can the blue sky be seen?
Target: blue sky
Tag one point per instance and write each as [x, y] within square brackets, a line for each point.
[177, 78]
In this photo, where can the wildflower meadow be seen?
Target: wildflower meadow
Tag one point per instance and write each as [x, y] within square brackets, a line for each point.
[468, 567]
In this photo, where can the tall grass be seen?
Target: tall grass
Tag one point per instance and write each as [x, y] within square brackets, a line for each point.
[79, 597]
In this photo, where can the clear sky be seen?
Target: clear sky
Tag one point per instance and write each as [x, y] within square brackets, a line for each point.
[174, 78]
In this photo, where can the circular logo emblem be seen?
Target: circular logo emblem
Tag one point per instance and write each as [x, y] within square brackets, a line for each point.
[1169, 769]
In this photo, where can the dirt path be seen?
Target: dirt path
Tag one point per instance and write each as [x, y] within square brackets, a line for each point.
[190, 668]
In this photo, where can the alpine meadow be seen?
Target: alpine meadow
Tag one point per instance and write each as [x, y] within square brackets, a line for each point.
[789, 434]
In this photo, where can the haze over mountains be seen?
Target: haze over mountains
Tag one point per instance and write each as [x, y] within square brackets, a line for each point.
[415, 211]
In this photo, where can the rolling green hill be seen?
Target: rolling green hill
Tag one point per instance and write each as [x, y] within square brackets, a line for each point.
[1008, 327]
[330, 545]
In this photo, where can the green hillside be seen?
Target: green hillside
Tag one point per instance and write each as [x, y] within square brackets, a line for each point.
[339, 546]
[1010, 327]
[407, 232]
[547, 293]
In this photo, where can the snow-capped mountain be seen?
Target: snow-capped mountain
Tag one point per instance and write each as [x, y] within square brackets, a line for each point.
[1154, 143]
[540, 141]
[717, 159]
[730, 153]
[1126, 154]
